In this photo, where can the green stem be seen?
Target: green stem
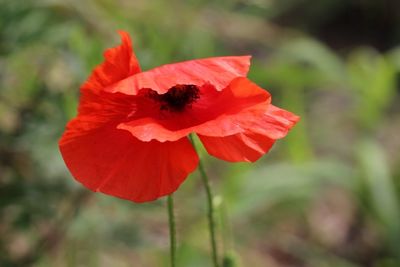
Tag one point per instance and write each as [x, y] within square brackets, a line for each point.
[211, 219]
[172, 230]
[211, 212]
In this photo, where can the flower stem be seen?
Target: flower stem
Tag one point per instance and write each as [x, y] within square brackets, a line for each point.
[172, 230]
[211, 212]
[211, 219]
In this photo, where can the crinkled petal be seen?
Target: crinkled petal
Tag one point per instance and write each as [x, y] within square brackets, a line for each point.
[97, 109]
[274, 123]
[218, 71]
[114, 162]
[216, 113]
[260, 133]
[247, 146]
[119, 63]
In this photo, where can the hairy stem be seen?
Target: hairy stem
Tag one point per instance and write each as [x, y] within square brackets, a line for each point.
[172, 230]
[211, 211]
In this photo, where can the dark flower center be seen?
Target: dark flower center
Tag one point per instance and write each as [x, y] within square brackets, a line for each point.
[178, 97]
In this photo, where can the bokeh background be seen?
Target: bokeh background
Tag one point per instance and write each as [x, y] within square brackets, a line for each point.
[327, 195]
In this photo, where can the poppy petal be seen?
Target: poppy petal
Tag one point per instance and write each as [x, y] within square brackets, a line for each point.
[216, 113]
[99, 108]
[119, 63]
[218, 71]
[257, 140]
[248, 146]
[114, 162]
[275, 123]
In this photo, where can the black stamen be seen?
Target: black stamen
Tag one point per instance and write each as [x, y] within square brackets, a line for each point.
[178, 97]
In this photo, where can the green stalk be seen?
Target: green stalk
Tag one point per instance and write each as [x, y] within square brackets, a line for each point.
[211, 212]
[172, 229]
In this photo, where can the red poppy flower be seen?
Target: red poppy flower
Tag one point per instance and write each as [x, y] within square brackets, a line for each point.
[130, 137]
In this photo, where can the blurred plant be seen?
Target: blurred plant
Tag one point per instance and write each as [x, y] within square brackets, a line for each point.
[326, 206]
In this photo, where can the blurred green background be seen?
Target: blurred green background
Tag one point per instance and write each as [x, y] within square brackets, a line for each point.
[327, 195]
